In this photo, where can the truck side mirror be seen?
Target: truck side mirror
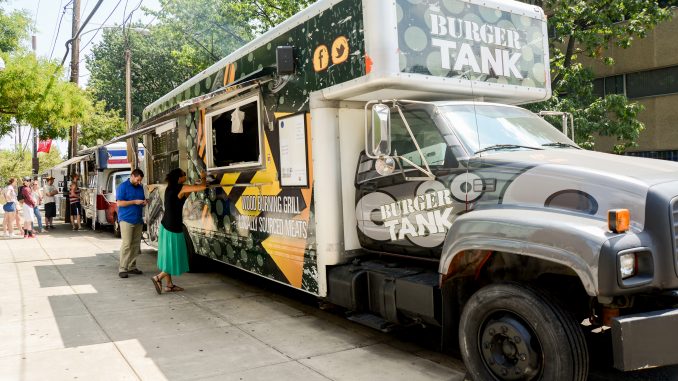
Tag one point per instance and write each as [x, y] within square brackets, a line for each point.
[379, 135]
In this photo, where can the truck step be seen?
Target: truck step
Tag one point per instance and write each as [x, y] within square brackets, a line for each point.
[373, 321]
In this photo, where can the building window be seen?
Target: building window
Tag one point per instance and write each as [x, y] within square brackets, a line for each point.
[614, 85]
[649, 83]
[234, 135]
[662, 155]
[652, 82]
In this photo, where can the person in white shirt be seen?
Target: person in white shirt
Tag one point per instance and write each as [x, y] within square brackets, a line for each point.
[9, 208]
[50, 202]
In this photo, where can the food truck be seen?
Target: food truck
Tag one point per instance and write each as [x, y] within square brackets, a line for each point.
[372, 153]
[105, 167]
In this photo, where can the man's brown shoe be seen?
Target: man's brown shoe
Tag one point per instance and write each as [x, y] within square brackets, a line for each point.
[135, 272]
[122, 274]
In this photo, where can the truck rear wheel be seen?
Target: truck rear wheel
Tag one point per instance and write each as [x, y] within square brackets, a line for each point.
[510, 331]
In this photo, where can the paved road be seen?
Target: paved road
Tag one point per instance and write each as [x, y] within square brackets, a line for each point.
[65, 315]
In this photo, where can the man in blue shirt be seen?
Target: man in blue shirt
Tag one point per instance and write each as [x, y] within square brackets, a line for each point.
[131, 200]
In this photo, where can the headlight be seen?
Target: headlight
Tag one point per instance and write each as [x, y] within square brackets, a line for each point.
[628, 265]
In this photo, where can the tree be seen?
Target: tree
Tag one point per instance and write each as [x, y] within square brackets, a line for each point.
[104, 125]
[203, 32]
[155, 70]
[588, 27]
[262, 15]
[31, 89]
[188, 37]
[13, 29]
[17, 162]
[32, 93]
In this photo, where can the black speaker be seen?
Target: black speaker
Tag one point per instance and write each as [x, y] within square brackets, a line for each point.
[284, 57]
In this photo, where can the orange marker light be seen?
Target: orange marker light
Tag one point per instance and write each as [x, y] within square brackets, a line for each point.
[618, 220]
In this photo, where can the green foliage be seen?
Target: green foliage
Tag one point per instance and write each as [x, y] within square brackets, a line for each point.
[261, 15]
[155, 69]
[103, 125]
[31, 89]
[188, 37]
[588, 28]
[201, 31]
[612, 116]
[31, 93]
[17, 162]
[14, 28]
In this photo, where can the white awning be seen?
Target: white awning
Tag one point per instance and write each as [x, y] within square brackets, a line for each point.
[70, 161]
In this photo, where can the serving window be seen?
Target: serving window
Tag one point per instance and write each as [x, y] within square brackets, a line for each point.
[234, 135]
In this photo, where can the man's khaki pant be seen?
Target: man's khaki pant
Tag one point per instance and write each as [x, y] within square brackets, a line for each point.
[131, 245]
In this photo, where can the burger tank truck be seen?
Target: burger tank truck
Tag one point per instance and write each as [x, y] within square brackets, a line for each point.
[102, 169]
[370, 153]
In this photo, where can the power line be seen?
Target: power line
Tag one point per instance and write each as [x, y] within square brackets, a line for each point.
[101, 26]
[58, 28]
[37, 11]
[77, 35]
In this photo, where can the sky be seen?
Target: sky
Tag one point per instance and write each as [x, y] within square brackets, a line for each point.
[51, 38]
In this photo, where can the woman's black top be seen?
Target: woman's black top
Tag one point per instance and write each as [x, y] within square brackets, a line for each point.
[172, 219]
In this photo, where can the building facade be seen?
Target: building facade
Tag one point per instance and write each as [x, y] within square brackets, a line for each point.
[647, 72]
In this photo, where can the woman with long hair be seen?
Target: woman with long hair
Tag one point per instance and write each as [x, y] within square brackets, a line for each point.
[172, 252]
[10, 207]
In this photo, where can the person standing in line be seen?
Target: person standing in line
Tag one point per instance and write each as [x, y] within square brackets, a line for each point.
[74, 202]
[172, 252]
[37, 198]
[28, 205]
[50, 203]
[131, 201]
[9, 208]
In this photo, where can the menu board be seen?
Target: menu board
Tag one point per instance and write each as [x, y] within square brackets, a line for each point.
[293, 169]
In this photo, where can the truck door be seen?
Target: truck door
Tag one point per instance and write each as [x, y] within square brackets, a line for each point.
[407, 212]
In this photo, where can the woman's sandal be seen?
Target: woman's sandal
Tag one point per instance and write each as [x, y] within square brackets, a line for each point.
[174, 288]
[157, 284]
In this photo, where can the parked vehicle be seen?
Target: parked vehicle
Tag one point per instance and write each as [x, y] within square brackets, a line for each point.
[371, 153]
[107, 167]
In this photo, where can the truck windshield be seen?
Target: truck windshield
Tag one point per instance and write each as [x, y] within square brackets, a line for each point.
[502, 126]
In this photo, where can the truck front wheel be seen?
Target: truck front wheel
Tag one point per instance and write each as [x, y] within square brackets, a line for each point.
[509, 331]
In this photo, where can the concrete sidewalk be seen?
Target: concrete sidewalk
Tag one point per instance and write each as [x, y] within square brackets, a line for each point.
[65, 315]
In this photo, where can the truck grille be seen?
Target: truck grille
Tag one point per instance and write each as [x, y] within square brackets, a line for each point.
[674, 228]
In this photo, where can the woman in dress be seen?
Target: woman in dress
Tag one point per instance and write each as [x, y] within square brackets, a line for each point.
[172, 252]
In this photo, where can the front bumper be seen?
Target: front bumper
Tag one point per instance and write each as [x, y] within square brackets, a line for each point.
[645, 340]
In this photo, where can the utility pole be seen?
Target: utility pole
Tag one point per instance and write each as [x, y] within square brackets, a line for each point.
[131, 147]
[35, 162]
[75, 72]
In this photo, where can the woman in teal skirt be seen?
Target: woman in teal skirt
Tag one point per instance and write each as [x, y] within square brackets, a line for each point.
[172, 252]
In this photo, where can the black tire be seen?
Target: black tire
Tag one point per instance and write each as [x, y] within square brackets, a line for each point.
[116, 226]
[510, 331]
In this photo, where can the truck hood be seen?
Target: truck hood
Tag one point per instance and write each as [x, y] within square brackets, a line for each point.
[635, 169]
[579, 180]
